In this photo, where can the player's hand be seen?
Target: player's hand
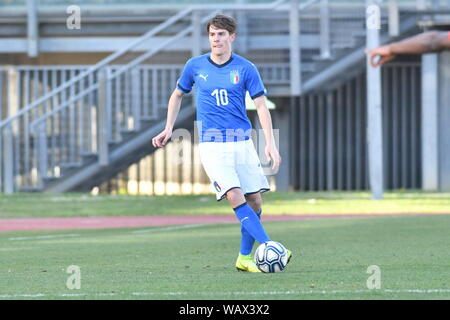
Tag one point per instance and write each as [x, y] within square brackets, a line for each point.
[161, 139]
[273, 155]
[384, 54]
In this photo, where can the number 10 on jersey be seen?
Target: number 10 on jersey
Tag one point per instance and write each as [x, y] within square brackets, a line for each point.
[221, 97]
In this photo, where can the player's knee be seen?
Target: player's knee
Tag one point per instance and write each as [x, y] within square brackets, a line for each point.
[235, 195]
[255, 202]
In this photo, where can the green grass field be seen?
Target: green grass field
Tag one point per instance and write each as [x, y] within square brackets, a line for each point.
[331, 257]
[67, 205]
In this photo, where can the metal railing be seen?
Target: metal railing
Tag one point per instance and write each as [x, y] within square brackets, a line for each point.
[60, 115]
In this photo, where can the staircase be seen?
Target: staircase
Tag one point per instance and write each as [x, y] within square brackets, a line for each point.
[348, 58]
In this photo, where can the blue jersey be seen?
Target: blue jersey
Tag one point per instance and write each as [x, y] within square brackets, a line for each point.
[221, 90]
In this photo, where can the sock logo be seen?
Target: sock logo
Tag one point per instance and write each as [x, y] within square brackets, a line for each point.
[216, 185]
[244, 219]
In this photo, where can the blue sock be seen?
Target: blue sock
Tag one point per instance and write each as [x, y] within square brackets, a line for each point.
[247, 240]
[250, 221]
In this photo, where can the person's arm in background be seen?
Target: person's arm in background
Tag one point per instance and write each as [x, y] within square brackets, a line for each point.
[432, 41]
[184, 86]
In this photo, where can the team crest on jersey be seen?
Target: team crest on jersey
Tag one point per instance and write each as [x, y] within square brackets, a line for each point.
[234, 76]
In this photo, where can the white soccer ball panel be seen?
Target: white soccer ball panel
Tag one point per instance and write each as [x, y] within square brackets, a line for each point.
[279, 247]
[264, 268]
[271, 244]
[272, 255]
[276, 245]
[259, 254]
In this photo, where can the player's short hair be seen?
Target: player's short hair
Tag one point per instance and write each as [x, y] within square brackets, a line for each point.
[222, 21]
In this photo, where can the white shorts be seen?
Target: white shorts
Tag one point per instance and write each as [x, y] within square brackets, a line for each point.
[232, 165]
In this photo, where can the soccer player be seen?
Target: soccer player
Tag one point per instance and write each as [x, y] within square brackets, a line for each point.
[432, 41]
[227, 153]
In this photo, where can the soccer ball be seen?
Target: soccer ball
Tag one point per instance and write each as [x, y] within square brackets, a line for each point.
[271, 257]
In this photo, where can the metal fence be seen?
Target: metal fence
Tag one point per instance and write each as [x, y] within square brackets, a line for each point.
[329, 133]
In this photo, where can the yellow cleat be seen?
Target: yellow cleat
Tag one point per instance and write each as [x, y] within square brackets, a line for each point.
[289, 255]
[246, 263]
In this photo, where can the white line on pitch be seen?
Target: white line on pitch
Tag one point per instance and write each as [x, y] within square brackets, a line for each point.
[237, 293]
[185, 226]
[45, 237]
[294, 292]
[38, 295]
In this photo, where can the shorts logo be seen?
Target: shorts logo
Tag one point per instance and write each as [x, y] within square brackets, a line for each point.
[216, 185]
[234, 76]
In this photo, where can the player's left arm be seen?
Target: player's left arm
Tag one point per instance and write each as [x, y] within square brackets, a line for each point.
[265, 119]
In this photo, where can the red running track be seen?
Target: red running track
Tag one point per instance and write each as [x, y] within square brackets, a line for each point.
[144, 221]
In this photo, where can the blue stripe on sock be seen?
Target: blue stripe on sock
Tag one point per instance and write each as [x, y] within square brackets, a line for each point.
[250, 221]
[247, 241]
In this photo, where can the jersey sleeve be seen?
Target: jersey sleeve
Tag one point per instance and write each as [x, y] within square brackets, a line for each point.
[186, 81]
[254, 84]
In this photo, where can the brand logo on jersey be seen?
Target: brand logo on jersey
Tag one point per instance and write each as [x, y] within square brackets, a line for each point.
[234, 76]
[216, 185]
[203, 76]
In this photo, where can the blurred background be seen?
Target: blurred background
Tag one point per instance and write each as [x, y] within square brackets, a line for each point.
[84, 87]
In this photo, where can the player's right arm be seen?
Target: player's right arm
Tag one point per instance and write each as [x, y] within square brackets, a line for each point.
[432, 41]
[172, 112]
[184, 86]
